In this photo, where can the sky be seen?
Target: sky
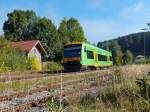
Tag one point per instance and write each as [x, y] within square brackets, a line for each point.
[101, 19]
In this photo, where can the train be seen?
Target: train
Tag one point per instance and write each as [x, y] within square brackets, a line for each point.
[83, 56]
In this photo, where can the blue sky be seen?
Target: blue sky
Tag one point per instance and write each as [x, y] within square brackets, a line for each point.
[101, 19]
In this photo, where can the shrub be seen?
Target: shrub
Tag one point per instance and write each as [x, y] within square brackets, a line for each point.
[34, 64]
[53, 105]
[111, 96]
[53, 66]
[143, 105]
[87, 100]
[144, 85]
[11, 59]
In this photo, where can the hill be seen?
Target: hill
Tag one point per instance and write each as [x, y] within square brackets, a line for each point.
[133, 42]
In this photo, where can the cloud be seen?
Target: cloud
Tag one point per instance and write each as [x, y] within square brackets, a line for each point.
[138, 12]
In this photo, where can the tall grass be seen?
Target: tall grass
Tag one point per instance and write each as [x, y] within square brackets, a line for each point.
[128, 93]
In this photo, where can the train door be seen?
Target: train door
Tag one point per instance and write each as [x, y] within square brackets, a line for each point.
[96, 58]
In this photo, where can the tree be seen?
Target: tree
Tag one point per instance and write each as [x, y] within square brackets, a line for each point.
[25, 25]
[16, 27]
[116, 52]
[45, 31]
[71, 30]
[128, 57]
[63, 31]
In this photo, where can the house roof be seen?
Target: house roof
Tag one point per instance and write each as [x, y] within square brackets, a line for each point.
[28, 45]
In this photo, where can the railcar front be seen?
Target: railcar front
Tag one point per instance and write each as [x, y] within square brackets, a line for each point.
[72, 56]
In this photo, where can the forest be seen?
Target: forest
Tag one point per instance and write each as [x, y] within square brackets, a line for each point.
[132, 44]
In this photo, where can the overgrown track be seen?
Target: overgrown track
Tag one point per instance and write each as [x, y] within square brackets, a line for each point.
[8, 77]
[21, 107]
[46, 88]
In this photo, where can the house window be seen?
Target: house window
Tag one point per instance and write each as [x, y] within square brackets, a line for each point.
[90, 55]
[102, 57]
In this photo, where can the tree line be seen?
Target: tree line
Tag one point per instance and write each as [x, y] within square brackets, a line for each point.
[26, 25]
[126, 48]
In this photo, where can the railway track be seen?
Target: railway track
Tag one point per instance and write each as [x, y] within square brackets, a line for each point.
[8, 77]
[51, 86]
[24, 106]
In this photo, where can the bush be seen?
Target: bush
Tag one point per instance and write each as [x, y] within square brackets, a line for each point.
[143, 105]
[87, 100]
[144, 85]
[53, 105]
[111, 96]
[53, 66]
[34, 64]
[11, 59]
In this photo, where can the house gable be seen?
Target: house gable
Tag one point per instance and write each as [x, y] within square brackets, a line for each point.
[35, 53]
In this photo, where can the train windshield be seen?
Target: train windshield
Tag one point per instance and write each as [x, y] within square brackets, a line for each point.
[72, 51]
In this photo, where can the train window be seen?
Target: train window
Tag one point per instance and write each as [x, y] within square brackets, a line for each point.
[84, 49]
[102, 57]
[90, 55]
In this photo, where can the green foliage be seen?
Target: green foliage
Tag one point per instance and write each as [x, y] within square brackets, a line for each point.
[53, 66]
[118, 58]
[11, 59]
[116, 51]
[71, 30]
[133, 42]
[143, 105]
[144, 85]
[18, 24]
[87, 100]
[128, 57]
[26, 25]
[45, 31]
[111, 96]
[53, 105]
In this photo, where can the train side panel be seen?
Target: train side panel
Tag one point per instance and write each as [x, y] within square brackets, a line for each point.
[92, 56]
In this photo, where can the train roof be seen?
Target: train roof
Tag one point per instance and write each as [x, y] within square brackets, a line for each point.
[73, 43]
[86, 44]
[98, 49]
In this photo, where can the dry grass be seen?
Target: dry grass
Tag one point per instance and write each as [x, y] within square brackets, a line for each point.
[134, 71]
[122, 96]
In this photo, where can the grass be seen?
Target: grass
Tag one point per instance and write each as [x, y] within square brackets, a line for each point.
[122, 96]
[23, 85]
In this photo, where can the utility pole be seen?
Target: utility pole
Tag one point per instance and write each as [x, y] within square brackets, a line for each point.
[144, 29]
[61, 87]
